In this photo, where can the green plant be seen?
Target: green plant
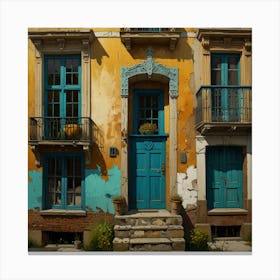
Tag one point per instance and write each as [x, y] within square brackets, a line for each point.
[101, 237]
[176, 197]
[148, 128]
[199, 240]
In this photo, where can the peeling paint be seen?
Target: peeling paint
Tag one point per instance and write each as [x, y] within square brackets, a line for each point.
[187, 187]
[99, 192]
[34, 189]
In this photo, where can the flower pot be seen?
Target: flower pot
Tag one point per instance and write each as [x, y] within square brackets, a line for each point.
[72, 130]
[119, 207]
[175, 206]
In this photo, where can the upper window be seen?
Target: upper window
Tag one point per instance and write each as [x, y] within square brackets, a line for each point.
[63, 181]
[226, 95]
[149, 109]
[62, 93]
[225, 69]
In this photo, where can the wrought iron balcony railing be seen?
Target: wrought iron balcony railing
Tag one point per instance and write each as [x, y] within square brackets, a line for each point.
[61, 129]
[224, 104]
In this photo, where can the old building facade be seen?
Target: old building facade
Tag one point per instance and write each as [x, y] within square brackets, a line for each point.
[89, 93]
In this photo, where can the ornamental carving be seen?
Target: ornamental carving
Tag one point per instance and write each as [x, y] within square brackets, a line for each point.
[150, 67]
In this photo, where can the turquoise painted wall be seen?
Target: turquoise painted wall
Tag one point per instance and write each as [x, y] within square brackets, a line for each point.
[35, 189]
[99, 192]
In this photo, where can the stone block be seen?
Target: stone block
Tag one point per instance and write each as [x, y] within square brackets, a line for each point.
[122, 233]
[138, 234]
[158, 222]
[121, 244]
[176, 233]
[161, 247]
[178, 244]
[174, 221]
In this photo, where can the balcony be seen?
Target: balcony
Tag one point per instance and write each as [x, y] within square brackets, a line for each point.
[63, 132]
[149, 36]
[51, 130]
[224, 109]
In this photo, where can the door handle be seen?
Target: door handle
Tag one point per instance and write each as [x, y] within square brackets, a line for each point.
[163, 169]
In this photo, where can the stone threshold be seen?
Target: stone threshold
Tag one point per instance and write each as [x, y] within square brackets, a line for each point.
[58, 212]
[227, 211]
[147, 214]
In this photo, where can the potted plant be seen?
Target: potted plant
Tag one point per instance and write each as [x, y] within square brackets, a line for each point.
[148, 128]
[119, 203]
[72, 130]
[176, 202]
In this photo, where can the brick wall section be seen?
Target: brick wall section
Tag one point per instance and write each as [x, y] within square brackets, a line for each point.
[66, 223]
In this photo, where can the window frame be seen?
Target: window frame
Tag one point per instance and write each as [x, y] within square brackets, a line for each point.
[224, 67]
[147, 93]
[63, 87]
[63, 157]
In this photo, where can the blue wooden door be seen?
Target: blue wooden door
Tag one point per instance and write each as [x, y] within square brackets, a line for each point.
[147, 152]
[224, 177]
[147, 172]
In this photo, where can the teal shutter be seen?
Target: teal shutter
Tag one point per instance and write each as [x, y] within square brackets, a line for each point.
[224, 179]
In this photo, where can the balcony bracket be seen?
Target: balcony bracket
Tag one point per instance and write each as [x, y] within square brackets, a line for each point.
[37, 154]
[87, 150]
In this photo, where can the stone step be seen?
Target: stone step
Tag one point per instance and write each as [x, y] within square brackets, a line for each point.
[164, 231]
[149, 244]
[157, 230]
[155, 218]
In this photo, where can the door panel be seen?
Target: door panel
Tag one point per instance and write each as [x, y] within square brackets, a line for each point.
[224, 177]
[147, 179]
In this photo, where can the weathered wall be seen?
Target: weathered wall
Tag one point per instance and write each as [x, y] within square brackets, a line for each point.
[108, 55]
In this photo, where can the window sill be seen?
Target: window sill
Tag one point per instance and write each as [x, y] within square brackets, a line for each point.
[62, 212]
[227, 211]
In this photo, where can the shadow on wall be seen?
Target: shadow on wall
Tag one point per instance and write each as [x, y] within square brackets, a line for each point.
[187, 225]
[98, 52]
[182, 52]
[97, 148]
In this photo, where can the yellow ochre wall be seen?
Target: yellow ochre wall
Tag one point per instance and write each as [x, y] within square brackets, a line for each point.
[108, 55]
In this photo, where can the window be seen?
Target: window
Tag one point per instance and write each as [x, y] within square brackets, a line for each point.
[63, 181]
[62, 93]
[148, 106]
[226, 94]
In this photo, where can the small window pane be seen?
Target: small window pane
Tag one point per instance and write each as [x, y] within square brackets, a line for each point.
[148, 102]
[75, 110]
[69, 96]
[68, 79]
[216, 77]
[233, 77]
[141, 102]
[216, 62]
[233, 63]
[56, 96]
[75, 79]
[57, 79]
[75, 96]
[69, 112]
[56, 110]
